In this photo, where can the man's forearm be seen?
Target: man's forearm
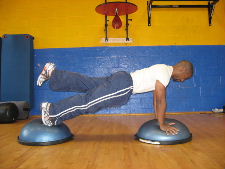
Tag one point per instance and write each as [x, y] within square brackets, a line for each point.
[160, 102]
[160, 111]
[154, 104]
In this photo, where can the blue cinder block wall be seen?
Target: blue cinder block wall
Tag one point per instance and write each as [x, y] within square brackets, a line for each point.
[206, 90]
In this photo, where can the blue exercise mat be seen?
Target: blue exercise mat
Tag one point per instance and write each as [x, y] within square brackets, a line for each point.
[0, 60]
[17, 68]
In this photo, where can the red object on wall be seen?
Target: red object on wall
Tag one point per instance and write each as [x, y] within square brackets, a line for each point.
[116, 23]
[116, 9]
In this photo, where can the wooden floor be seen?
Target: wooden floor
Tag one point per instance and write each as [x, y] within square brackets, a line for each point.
[107, 142]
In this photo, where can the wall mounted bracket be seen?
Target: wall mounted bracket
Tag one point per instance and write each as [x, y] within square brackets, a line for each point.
[126, 29]
[211, 6]
[116, 9]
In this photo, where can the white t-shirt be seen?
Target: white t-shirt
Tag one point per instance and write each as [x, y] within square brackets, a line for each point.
[144, 80]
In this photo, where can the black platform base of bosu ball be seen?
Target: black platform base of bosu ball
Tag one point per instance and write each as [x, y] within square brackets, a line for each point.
[35, 133]
[150, 133]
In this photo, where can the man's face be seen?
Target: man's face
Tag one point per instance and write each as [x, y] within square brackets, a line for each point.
[181, 77]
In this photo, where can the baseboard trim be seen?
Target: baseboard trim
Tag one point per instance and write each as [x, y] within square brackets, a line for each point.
[143, 114]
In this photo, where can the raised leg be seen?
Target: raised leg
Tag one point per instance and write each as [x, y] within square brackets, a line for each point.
[66, 81]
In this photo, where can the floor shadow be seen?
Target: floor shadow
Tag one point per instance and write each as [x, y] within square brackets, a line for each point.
[104, 138]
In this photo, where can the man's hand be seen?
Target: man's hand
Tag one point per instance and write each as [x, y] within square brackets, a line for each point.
[169, 129]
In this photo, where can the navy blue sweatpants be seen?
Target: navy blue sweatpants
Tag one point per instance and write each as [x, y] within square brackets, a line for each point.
[98, 93]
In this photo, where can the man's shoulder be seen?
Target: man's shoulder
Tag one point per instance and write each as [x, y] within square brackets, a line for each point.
[153, 68]
[159, 67]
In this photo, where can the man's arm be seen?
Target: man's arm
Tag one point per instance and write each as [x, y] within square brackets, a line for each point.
[160, 108]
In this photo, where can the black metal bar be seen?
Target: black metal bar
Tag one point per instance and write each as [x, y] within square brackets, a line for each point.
[211, 10]
[149, 10]
[209, 14]
[127, 25]
[179, 6]
[149, 23]
[211, 7]
[106, 28]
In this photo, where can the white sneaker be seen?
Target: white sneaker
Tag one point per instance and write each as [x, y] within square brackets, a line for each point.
[46, 73]
[45, 114]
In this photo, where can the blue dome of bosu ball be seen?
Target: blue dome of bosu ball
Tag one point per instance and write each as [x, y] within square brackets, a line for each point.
[150, 133]
[35, 133]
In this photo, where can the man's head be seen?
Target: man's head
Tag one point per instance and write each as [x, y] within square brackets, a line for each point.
[182, 71]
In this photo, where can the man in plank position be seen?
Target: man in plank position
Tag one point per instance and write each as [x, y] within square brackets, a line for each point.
[111, 91]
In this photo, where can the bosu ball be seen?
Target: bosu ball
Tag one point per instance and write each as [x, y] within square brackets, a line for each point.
[150, 133]
[35, 133]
